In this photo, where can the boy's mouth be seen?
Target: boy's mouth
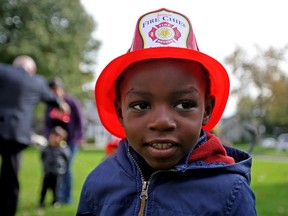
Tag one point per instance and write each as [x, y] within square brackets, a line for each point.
[162, 149]
[161, 146]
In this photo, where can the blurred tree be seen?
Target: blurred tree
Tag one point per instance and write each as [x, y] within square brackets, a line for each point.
[56, 33]
[262, 83]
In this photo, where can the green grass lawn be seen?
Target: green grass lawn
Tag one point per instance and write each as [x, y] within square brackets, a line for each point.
[269, 182]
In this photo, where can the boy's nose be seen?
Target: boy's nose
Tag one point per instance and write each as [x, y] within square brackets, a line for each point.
[162, 119]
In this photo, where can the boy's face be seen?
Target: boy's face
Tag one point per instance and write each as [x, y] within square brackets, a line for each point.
[55, 139]
[162, 109]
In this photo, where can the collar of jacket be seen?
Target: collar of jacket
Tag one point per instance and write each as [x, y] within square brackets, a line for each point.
[211, 151]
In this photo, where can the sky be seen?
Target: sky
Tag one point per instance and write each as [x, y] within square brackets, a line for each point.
[219, 26]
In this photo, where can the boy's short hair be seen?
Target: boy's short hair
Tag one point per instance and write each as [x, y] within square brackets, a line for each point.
[60, 131]
[160, 34]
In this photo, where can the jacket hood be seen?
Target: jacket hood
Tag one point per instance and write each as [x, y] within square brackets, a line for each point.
[213, 154]
[212, 151]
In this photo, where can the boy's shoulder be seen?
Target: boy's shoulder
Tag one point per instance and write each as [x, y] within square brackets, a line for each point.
[110, 165]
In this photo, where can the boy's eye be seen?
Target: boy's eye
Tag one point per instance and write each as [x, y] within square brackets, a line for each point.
[140, 106]
[185, 105]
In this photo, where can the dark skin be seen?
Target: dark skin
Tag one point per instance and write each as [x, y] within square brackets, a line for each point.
[162, 107]
[55, 139]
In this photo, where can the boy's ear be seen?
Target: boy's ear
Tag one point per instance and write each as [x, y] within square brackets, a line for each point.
[118, 109]
[209, 106]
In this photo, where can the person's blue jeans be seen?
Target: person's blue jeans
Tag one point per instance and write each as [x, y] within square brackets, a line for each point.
[66, 185]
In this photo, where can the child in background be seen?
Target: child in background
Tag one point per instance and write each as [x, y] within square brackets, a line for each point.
[163, 97]
[54, 158]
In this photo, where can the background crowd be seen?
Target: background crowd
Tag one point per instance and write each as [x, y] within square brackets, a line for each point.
[21, 89]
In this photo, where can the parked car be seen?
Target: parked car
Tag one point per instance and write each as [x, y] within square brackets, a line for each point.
[282, 142]
[268, 142]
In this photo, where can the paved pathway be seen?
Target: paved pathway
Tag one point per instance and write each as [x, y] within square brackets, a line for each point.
[272, 157]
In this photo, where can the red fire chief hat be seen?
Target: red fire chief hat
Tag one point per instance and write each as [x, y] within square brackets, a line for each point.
[159, 34]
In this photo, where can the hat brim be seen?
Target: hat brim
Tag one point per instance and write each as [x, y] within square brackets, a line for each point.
[105, 86]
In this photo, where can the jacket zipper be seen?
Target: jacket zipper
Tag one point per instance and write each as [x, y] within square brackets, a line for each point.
[144, 191]
[145, 185]
[143, 197]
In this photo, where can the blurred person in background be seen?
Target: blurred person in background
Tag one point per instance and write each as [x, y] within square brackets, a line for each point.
[20, 90]
[73, 122]
[54, 158]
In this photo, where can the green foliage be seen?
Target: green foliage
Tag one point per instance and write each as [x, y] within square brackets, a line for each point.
[56, 33]
[262, 83]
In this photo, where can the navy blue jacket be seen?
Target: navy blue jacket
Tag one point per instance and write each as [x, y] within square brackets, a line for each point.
[195, 187]
[19, 93]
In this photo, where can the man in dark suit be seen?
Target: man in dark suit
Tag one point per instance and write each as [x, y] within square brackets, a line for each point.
[20, 90]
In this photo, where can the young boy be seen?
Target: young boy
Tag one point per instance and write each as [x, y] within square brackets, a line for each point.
[54, 158]
[163, 97]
